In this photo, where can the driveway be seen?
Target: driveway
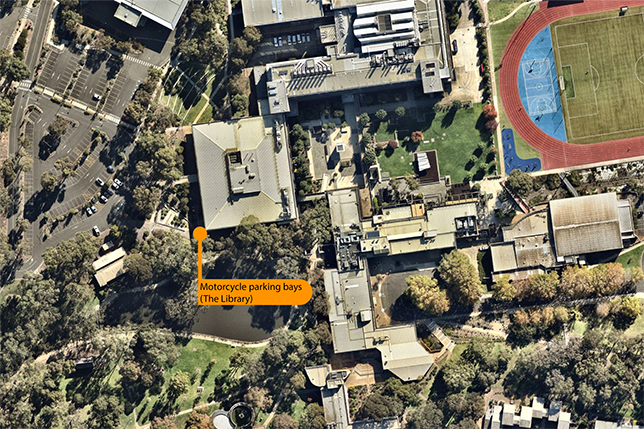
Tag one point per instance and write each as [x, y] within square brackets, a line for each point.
[468, 79]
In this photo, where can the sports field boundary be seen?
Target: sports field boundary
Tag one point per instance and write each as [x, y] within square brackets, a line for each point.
[556, 153]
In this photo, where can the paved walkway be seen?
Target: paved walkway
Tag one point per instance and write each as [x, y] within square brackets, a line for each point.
[516, 9]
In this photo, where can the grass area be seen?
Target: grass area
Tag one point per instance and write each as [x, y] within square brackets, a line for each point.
[180, 421]
[9, 289]
[194, 111]
[500, 35]
[206, 116]
[455, 135]
[637, 328]
[632, 258]
[499, 9]
[569, 85]
[602, 52]
[579, 327]
[382, 131]
[195, 354]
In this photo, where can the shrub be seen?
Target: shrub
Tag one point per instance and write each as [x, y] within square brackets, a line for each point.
[381, 114]
[369, 157]
[417, 137]
[489, 111]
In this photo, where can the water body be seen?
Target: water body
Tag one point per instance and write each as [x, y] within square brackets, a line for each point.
[241, 322]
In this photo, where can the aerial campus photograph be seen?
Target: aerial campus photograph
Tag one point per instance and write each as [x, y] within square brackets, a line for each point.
[459, 183]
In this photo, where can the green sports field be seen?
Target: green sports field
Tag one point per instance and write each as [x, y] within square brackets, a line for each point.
[600, 62]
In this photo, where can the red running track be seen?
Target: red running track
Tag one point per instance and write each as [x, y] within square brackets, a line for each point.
[556, 153]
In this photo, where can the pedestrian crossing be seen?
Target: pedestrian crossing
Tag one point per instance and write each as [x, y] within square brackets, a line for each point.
[26, 12]
[25, 85]
[138, 61]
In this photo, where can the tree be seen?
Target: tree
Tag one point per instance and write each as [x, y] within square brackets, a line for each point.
[489, 111]
[364, 119]
[627, 311]
[491, 125]
[252, 35]
[426, 295]
[381, 114]
[378, 407]
[283, 421]
[199, 420]
[393, 144]
[146, 199]
[520, 183]
[538, 287]
[139, 267]
[464, 406]
[298, 381]
[258, 397]
[105, 413]
[400, 111]
[58, 128]
[411, 181]
[5, 113]
[65, 166]
[369, 157]
[313, 417]
[166, 422]
[503, 289]
[417, 137]
[239, 103]
[178, 384]
[71, 20]
[367, 138]
[48, 181]
[461, 277]
[71, 260]
[458, 375]
[238, 84]
[427, 416]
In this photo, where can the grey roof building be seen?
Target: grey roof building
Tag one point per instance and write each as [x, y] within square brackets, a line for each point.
[265, 12]
[564, 233]
[335, 400]
[398, 43]
[244, 170]
[586, 224]
[354, 328]
[164, 12]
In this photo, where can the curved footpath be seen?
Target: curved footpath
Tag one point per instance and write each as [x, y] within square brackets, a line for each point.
[556, 153]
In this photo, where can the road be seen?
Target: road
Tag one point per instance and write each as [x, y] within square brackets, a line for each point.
[31, 59]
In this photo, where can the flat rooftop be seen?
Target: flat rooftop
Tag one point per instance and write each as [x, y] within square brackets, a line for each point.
[265, 12]
[164, 12]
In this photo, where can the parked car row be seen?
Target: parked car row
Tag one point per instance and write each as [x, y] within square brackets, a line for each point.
[105, 194]
[292, 39]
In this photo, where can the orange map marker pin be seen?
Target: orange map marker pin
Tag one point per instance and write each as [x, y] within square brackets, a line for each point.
[247, 291]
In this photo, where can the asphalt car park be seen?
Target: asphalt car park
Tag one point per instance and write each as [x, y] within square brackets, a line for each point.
[127, 81]
[59, 69]
[91, 82]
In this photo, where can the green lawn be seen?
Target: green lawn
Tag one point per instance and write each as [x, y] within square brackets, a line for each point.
[632, 258]
[189, 361]
[498, 9]
[500, 35]
[382, 131]
[601, 53]
[637, 328]
[195, 354]
[455, 136]
[194, 111]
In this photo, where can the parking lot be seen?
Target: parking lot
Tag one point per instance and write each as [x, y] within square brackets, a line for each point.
[278, 47]
[58, 70]
[127, 81]
[90, 82]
